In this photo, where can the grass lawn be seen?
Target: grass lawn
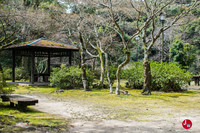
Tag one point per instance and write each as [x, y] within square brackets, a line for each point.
[11, 117]
[133, 106]
[13, 120]
[124, 107]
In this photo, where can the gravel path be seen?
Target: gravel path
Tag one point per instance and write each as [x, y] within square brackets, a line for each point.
[86, 118]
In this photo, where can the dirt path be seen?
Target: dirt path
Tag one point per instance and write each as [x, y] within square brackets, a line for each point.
[87, 118]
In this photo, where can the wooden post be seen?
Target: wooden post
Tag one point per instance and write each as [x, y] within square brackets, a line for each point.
[196, 81]
[49, 63]
[12, 104]
[32, 66]
[13, 66]
[70, 57]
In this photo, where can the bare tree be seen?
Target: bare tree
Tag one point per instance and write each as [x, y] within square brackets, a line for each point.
[152, 10]
[99, 48]
[119, 30]
[8, 32]
[84, 38]
[82, 50]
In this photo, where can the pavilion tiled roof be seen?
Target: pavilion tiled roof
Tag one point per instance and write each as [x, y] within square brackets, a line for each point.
[44, 43]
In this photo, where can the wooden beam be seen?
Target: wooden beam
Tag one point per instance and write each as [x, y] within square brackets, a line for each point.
[13, 65]
[32, 66]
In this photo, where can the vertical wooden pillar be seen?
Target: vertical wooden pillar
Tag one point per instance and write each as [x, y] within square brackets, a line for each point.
[70, 57]
[32, 66]
[196, 80]
[49, 63]
[13, 66]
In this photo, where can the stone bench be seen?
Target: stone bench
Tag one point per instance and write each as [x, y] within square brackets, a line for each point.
[21, 102]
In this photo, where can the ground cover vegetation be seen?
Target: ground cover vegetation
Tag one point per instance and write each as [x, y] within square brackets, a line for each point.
[124, 107]
[13, 120]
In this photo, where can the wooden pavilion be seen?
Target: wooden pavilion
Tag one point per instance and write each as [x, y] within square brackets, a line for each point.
[40, 48]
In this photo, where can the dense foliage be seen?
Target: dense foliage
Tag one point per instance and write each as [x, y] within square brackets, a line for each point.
[113, 70]
[20, 73]
[3, 84]
[181, 53]
[165, 76]
[191, 32]
[69, 77]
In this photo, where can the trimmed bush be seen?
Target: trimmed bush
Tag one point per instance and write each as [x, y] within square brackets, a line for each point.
[69, 77]
[165, 76]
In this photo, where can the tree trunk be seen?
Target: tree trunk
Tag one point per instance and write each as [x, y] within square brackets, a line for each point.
[84, 76]
[24, 3]
[102, 67]
[118, 72]
[36, 4]
[94, 64]
[83, 65]
[108, 72]
[147, 74]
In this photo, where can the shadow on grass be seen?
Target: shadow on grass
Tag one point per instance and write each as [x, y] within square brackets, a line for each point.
[6, 106]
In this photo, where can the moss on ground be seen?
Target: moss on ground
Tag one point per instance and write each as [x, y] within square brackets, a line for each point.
[133, 106]
[37, 121]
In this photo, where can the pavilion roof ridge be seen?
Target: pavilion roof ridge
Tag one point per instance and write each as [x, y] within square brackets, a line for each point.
[57, 42]
[43, 43]
[34, 42]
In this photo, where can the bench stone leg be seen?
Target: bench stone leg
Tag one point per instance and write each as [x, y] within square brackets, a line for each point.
[12, 104]
[22, 107]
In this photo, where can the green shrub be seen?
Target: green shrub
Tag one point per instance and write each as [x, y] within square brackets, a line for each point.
[3, 85]
[165, 76]
[8, 73]
[20, 73]
[196, 12]
[69, 77]
[112, 70]
[134, 75]
[173, 11]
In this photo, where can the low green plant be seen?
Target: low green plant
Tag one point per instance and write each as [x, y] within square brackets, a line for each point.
[112, 70]
[196, 12]
[165, 76]
[69, 77]
[8, 73]
[134, 75]
[20, 73]
[3, 86]
[39, 121]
